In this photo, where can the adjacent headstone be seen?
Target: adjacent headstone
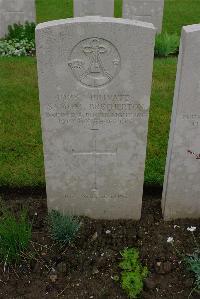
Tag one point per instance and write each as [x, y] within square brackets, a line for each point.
[181, 194]
[95, 83]
[15, 11]
[144, 10]
[103, 8]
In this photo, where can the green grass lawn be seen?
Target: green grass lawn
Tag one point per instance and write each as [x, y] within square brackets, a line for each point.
[177, 13]
[59, 9]
[47, 10]
[160, 114]
[21, 156]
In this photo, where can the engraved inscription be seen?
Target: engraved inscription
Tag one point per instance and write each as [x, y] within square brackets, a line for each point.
[96, 196]
[15, 11]
[94, 62]
[98, 110]
[194, 119]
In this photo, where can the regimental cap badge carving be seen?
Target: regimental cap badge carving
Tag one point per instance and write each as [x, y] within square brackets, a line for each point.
[94, 62]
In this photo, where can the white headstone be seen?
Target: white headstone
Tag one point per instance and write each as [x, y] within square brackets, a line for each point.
[144, 10]
[95, 83]
[181, 194]
[103, 8]
[15, 11]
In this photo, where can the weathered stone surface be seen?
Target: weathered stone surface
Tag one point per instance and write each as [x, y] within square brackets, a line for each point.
[15, 11]
[103, 8]
[181, 193]
[95, 82]
[144, 10]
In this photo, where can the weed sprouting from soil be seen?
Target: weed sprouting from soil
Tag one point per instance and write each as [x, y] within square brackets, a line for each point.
[193, 265]
[192, 261]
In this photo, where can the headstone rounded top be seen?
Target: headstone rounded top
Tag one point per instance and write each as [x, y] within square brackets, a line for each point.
[191, 28]
[94, 19]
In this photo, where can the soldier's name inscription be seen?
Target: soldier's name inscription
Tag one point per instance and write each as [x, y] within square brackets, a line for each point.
[98, 108]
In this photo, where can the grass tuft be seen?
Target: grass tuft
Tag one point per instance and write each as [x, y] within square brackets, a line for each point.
[63, 228]
[15, 235]
[166, 44]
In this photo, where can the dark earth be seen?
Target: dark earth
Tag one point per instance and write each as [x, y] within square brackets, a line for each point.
[88, 267]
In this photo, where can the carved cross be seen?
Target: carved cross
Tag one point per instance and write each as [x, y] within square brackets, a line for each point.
[94, 153]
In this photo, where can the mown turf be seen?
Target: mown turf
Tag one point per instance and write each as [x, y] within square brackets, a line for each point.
[159, 120]
[60, 9]
[177, 13]
[21, 160]
[47, 10]
[21, 156]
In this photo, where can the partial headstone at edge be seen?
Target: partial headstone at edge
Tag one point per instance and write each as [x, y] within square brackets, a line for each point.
[104, 8]
[144, 10]
[95, 96]
[15, 11]
[181, 193]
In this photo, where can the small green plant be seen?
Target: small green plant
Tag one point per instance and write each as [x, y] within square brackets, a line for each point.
[63, 228]
[21, 32]
[192, 261]
[166, 44]
[15, 235]
[133, 273]
[193, 265]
